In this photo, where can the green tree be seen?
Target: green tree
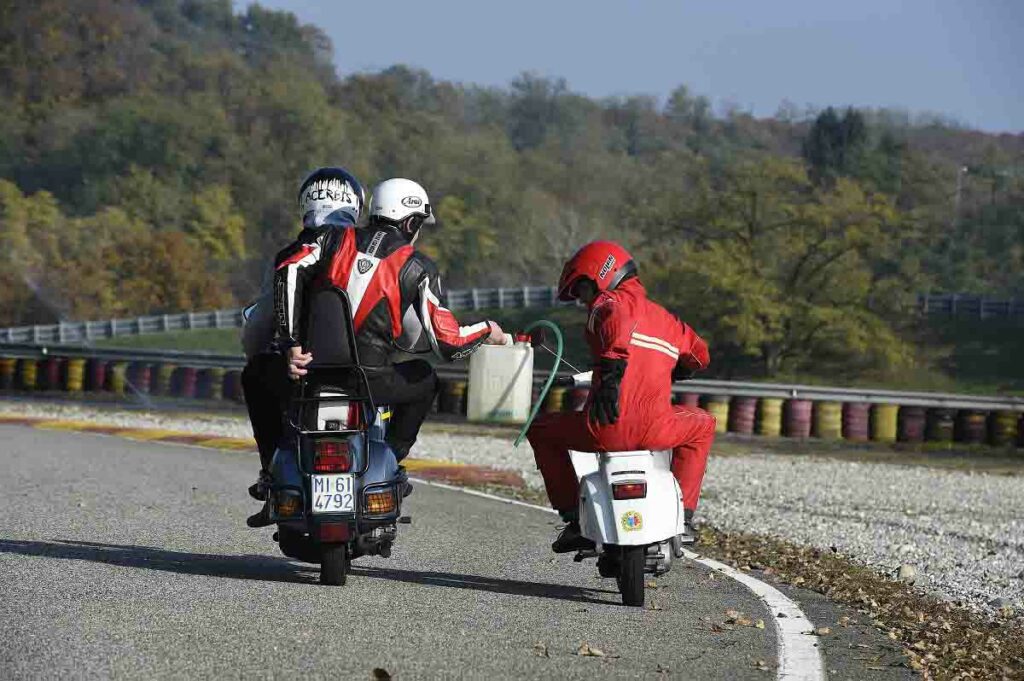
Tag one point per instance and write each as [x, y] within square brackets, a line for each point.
[783, 272]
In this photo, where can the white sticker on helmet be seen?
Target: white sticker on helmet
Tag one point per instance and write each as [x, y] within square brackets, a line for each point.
[323, 197]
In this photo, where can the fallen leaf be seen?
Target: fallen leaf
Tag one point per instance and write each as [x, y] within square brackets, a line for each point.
[540, 650]
[586, 651]
[822, 631]
[652, 584]
[759, 624]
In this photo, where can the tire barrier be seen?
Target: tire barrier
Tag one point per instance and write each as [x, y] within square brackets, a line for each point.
[769, 417]
[95, 375]
[910, 424]
[138, 377]
[883, 420]
[970, 427]
[718, 406]
[162, 375]
[741, 415]
[1003, 427]
[939, 425]
[117, 375]
[211, 384]
[855, 421]
[75, 375]
[232, 387]
[27, 374]
[8, 365]
[555, 400]
[183, 382]
[453, 397]
[827, 420]
[797, 418]
[49, 378]
[690, 399]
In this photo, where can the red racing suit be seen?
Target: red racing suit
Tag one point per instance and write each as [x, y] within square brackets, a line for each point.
[625, 325]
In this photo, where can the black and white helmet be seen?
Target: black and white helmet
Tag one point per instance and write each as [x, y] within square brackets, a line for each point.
[330, 197]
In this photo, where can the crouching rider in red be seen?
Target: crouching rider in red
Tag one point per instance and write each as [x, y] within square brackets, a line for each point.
[638, 348]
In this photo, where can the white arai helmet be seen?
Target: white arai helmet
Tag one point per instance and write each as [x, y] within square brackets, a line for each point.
[396, 199]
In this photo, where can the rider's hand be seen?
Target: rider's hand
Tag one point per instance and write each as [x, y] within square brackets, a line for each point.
[604, 405]
[297, 361]
[497, 337]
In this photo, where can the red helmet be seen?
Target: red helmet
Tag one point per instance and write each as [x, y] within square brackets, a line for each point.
[604, 262]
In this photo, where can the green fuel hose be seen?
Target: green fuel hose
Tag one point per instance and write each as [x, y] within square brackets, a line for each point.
[551, 377]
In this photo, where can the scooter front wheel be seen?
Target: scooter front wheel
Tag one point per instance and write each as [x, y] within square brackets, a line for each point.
[334, 564]
[631, 575]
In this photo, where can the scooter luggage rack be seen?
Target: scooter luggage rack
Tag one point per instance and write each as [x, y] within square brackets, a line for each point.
[328, 321]
[358, 401]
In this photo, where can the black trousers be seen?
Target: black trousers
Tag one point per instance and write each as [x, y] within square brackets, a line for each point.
[408, 387]
[266, 390]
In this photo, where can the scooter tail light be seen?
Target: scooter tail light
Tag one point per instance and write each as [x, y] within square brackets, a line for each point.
[355, 416]
[629, 490]
[332, 456]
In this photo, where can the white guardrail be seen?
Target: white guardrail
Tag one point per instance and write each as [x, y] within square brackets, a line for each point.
[84, 332]
[936, 305]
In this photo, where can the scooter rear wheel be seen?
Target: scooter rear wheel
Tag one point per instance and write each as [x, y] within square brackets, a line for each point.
[631, 575]
[334, 564]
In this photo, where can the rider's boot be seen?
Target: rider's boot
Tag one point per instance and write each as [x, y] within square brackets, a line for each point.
[408, 485]
[689, 535]
[261, 519]
[571, 538]
[261, 488]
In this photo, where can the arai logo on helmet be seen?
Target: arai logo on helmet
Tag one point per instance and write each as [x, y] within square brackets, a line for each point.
[412, 202]
[606, 267]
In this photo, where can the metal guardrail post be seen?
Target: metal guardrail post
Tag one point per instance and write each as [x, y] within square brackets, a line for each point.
[476, 299]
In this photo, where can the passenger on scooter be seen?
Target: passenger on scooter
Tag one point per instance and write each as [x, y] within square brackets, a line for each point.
[638, 348]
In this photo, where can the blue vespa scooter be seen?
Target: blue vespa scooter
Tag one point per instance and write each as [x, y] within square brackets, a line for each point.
[337, 489]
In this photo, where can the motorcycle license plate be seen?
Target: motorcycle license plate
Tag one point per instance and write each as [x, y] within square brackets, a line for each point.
[333, 493]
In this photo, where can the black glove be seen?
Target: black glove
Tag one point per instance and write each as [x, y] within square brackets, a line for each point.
[604, 407]
[681, 373]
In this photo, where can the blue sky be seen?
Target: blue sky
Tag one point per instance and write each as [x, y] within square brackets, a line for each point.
[960, 58]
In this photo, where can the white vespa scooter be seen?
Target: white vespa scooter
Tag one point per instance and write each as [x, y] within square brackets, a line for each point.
[631, 507]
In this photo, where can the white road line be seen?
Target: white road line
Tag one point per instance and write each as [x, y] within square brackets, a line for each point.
[799, 656]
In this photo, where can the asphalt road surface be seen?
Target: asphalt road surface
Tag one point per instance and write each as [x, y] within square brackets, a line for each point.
[131, 560]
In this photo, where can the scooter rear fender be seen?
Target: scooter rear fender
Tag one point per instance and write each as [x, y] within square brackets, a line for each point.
[628, 522]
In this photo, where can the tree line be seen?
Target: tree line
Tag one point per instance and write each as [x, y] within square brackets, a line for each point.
[150, 151]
